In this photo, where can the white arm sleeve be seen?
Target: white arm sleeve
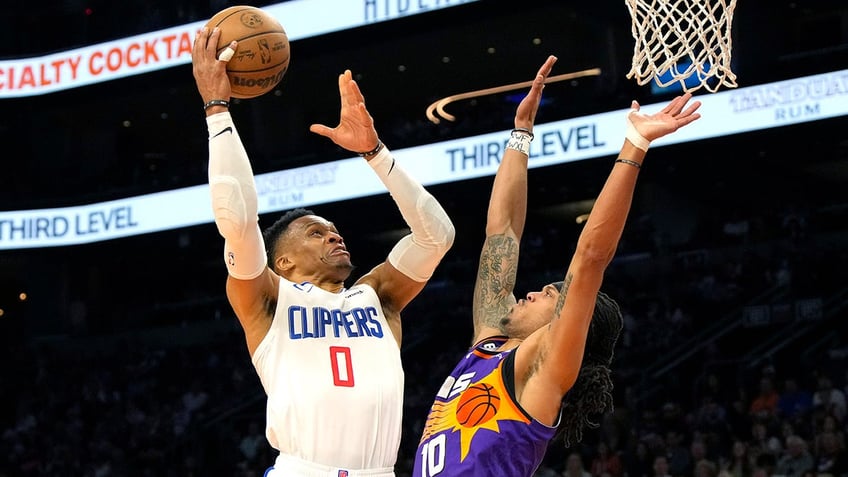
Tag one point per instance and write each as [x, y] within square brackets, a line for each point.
[234, 199]
[417, 254]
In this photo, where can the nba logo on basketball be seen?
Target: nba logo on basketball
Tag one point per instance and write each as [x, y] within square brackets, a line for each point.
[342, 473]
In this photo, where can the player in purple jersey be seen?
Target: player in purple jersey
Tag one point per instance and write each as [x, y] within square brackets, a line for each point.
[538, 365]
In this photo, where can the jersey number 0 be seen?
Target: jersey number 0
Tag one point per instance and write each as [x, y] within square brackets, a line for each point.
[342, 366]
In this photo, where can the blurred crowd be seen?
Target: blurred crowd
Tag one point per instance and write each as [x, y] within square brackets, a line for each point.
[189, 403]
[733, 361]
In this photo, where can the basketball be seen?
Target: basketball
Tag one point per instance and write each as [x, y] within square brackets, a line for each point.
[477, 404]
[262, 56]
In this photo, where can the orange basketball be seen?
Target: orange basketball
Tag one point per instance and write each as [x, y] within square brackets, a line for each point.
[262, 56]
[477, 404]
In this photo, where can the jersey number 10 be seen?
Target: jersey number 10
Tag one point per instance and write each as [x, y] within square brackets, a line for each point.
[433, 456]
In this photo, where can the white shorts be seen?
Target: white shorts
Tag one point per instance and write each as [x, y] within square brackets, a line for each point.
[288, 466]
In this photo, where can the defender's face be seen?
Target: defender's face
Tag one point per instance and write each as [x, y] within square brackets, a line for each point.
[314, 245]
[531, 313]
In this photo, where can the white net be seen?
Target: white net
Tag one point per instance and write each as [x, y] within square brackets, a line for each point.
[685, 41]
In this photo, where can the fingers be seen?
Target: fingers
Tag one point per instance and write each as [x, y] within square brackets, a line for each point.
[542, 74]
[212, 42]
[343, 89]
[355, 94]
[363, 112]
[525, 114]
[669, 108]
[228, 52]
[677, 104]
[684, 117]
[675, 107]
[546, 68]
[200, 40]
[687, 116]
[634, 105]
[536, 88]
[688, 119]
[321, 130]
[206, 43]
[691, 109]
[348, 89]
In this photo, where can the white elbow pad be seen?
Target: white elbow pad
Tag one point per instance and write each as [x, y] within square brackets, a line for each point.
[228, 207]
[234, 199]
[418, 254]
[244, 248]
[246, 258]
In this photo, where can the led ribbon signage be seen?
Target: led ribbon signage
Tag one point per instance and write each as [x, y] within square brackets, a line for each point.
[172, 46]
[736, 111]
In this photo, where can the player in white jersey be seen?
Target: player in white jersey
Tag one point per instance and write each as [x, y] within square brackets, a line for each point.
[328, 357]
[345, 406]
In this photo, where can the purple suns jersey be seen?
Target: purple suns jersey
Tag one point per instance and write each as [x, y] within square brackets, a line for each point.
[475, 427]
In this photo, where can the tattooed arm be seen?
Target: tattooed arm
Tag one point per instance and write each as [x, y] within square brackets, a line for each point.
[493, 288]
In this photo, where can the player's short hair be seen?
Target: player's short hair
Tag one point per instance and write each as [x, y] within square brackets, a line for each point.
[272, 234]
[591, 395]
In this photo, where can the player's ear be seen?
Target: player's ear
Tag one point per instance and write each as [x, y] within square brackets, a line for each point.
[284, 263]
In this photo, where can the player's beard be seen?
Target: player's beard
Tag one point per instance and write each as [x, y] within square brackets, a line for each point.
[505, 325]
[340, 265]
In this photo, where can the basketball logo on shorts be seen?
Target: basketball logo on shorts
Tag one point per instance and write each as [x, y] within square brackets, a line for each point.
[477, 404]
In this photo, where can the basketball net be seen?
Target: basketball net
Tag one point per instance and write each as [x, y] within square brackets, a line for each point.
[681, 39]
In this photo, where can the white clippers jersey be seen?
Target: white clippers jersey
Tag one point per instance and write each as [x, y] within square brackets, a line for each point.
[331, 368]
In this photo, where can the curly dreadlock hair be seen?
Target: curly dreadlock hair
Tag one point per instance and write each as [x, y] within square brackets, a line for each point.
[591, 395]
[278, 228]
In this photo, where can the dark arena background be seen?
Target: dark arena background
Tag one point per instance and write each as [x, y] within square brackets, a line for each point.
[121, 356]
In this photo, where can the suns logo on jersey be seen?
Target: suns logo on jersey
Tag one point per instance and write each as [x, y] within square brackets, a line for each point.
[490, 346]
[480, 406]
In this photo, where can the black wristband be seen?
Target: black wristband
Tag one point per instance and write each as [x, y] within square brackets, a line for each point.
[216, 102]
[374, 151]
[629, 163]
[523, 131]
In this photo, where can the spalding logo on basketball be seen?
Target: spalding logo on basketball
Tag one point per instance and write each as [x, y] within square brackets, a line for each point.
[477, 405]
[262, 56]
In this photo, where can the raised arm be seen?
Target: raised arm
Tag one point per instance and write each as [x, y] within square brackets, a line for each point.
[556, 352]
[415, 257]
[251, 285]
[493, 289]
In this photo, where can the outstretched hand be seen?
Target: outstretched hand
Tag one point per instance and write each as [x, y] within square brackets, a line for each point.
[355, 131]
[209, 72]
[525, 114]
[669, 119]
